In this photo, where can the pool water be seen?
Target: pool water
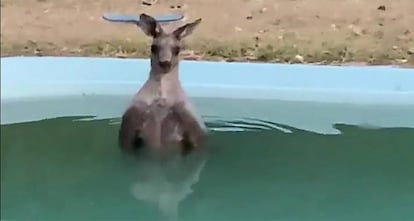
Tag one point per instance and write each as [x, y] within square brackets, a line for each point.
[69, 168]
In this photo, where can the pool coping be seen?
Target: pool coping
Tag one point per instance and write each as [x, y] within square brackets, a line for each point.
[35, 77]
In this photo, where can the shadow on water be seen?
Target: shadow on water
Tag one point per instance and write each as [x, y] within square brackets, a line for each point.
[69, 169]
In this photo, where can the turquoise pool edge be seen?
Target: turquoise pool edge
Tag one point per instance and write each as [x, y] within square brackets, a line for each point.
[24, 77]
[309, 97]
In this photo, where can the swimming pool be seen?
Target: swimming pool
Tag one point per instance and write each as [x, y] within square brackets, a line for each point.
[288, 142]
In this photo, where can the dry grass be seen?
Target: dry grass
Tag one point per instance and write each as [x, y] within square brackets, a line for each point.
[286, 52]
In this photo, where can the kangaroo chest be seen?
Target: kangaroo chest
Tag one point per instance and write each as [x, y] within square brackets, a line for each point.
[159, 109]
[161, 125]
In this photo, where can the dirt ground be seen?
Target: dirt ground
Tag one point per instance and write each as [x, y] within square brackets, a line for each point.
[325, 31]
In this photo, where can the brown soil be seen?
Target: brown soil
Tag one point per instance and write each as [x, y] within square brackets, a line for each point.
[330, 31]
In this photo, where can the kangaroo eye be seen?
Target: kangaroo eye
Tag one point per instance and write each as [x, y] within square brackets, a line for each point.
[176, 50]
[154, 48]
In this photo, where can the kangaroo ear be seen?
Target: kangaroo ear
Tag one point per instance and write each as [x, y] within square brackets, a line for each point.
[149, 25]
[186, 29]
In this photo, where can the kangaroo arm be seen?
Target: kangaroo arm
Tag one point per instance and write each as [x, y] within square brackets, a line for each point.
[131, 125]
[193, 127]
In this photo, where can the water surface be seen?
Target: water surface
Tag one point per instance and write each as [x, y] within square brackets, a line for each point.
[318, 162]
[66, 169]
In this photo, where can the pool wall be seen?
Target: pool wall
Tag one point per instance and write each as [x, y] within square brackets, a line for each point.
[24, 77]
[308, 97]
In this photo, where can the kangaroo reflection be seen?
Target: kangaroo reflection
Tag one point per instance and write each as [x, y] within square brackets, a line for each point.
[166, 181]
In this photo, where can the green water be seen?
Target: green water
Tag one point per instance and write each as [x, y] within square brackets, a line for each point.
[61, 169]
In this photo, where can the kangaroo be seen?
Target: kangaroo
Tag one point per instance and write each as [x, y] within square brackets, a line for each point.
[161, 116]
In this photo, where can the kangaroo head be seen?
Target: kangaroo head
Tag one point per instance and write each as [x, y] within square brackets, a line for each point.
[165, 47]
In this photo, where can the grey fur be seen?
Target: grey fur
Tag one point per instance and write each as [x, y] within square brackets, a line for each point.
[161, 116]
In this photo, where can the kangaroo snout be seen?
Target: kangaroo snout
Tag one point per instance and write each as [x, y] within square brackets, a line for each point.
[165, 64]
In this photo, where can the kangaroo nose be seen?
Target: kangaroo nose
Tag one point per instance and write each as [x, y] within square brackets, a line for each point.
[165, 64]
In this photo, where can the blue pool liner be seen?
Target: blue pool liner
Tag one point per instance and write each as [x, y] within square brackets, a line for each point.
[60, 76]
[308, 97]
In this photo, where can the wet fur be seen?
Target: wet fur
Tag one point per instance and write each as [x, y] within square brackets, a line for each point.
[159, 125]
[161, 116]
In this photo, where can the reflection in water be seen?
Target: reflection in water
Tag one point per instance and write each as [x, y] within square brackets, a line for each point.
[167, 182]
